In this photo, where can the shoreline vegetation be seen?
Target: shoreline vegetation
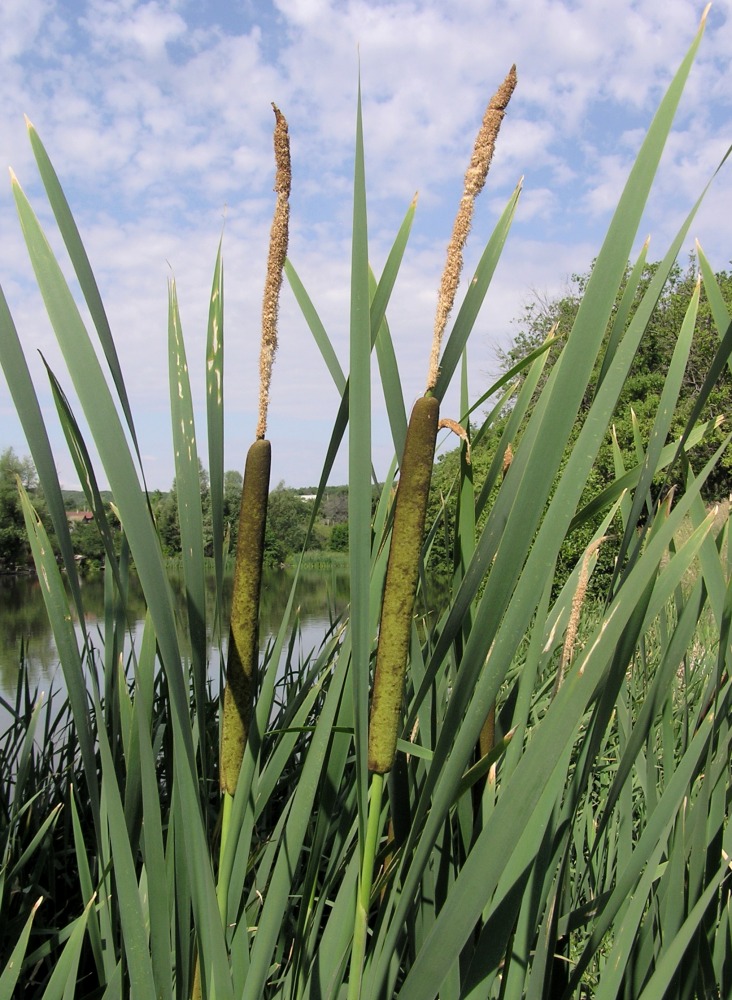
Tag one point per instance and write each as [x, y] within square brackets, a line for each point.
[289, 511]
[538, 802]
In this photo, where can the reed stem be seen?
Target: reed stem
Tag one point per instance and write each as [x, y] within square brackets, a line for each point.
[363, 901]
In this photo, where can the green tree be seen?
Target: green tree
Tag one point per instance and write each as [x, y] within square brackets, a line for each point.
[206, 509]
[287, 521]
[334, 508]
[339, 537]
[166, 519]
[636, 407]
[14, 548]
[165, 509]
[640, 396]
[88, 544]
[232, 505]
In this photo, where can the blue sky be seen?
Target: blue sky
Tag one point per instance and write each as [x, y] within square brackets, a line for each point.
[157, 116]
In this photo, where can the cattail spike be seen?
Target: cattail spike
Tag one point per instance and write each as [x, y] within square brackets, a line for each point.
[475, 176]
[243, 653]
[400, 587]
[278, 240]
[570, 640]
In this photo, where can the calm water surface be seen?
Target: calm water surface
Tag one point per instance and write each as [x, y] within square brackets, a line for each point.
[23, 620]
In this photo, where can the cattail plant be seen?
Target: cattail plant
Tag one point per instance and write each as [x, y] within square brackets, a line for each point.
[410, 511]
[416, 468]
[243, 652]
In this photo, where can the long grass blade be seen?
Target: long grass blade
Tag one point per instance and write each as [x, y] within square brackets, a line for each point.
[215, 426]
[80, 261]
[28, 409]
[359, 464]
[114, 453]
[10, 973]
[190, 515]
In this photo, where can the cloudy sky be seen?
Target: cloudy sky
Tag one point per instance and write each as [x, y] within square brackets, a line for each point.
[157, 116]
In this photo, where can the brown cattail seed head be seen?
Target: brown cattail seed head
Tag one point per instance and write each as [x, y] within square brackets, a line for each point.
[570, 639]
[480, 161]
[278, 239]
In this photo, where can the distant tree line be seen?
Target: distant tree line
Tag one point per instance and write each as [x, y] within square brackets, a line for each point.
[15, 551]
[289, 513]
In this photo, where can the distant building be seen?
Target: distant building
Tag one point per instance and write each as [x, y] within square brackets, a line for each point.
[79, 516]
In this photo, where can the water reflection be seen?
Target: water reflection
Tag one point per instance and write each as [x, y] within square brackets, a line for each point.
[321, 596]
[23, 620]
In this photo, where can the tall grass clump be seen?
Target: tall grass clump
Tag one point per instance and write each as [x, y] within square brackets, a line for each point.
[519, 793]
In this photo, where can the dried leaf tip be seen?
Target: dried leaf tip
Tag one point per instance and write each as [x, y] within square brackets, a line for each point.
[704, 15]
[507, 459]
[475, 177]
[278, 239]
[459, 430]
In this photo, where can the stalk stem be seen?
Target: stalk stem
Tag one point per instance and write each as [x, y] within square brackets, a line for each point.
[361, 922]
[222, 885]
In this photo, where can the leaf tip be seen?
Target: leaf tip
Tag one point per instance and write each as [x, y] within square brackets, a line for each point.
[704, 15]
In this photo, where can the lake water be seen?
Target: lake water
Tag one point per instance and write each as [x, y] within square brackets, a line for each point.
[321, 594]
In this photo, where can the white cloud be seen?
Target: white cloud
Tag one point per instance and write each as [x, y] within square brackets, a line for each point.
[145, 28]
[22, 20]
[305, 12]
